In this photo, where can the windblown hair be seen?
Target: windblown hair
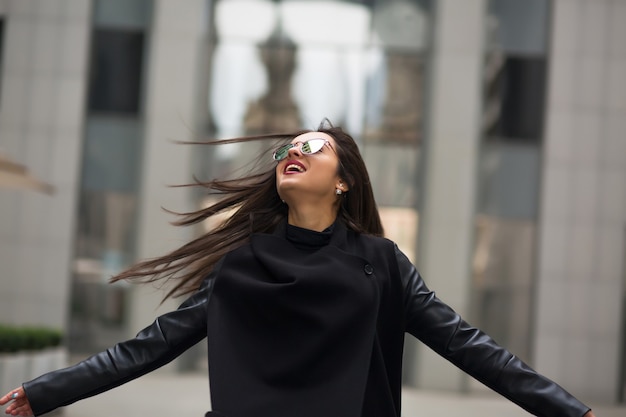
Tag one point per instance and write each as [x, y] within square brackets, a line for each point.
[256, 208]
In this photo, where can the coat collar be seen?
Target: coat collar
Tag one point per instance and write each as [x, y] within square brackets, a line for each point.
[339, 237]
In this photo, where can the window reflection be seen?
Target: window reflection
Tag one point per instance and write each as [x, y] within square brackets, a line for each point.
[509, 172]
[237, 73]
[503, 268]
[515, 70]
[298, 62]
[332, 40]
[110, 177]
[116, 61]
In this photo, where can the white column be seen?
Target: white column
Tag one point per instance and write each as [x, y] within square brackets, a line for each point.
[582, 238]
[171, 81]
[445, 241]
[41, 120]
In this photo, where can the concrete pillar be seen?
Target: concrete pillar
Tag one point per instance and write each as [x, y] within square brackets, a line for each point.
[41, 121]
[452, 145]
[175, 40]
[582, 242]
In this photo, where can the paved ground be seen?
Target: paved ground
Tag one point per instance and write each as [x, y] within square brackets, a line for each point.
[186, 395]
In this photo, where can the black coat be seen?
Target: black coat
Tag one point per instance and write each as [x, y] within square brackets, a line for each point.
[294, 333]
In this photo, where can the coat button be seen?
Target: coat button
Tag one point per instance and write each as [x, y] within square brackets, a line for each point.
[369, 270]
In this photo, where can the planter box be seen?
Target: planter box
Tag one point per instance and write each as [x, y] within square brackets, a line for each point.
[13, 370]
[46, 360]
[19, 367]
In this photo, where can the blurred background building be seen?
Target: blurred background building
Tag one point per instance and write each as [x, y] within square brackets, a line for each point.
[494, 132]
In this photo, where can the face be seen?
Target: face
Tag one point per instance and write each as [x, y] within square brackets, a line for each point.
[312, 176]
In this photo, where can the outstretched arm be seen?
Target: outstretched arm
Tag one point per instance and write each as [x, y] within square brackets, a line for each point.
[443, 330]
[165, 339]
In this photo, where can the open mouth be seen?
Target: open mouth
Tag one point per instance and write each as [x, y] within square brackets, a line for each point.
[294, 167]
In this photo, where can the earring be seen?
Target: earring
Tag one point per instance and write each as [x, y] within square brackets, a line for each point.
[338, 191]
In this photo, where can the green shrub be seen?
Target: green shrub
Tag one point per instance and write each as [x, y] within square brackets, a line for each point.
[27, 338]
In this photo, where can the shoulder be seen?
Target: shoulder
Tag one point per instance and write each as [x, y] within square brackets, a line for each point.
[372, 245]
[382, 250]
[240, 254]
[364, 238]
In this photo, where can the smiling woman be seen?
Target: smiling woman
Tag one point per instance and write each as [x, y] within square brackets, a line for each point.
[304, 304]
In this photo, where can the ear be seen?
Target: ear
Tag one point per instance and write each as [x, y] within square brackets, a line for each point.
[341, 185]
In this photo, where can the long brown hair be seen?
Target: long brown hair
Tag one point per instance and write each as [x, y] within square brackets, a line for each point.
[256, 208]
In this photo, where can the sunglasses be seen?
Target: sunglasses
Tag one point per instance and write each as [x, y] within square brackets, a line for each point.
[308, 147]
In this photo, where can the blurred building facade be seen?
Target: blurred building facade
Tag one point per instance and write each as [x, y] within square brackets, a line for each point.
[493, 131]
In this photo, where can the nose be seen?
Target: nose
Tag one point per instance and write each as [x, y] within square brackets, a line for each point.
[296, 150]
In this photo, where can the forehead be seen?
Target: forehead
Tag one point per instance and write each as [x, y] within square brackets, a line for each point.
[313, 135]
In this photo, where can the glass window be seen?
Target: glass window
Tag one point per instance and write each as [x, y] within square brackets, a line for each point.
[278, 66]
[509, 172]
[129, 14]
[115, 70]
[519, 27]
[110, 177]
[515, 70]
[518, 94]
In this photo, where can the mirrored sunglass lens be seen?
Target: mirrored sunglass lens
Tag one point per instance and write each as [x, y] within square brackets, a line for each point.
[308, 147]
[312, 146]
[281, 153]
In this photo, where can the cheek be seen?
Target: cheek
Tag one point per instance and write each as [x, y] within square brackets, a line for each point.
[333, 170]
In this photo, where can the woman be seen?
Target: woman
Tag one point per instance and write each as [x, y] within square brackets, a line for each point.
[304, 304]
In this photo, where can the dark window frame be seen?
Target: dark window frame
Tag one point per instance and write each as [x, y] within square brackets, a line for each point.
[118, 87]
[520, 92]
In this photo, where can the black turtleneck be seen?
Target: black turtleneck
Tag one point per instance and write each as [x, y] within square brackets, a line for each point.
[307, 239]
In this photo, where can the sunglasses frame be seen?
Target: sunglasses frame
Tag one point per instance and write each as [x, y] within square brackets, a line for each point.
[285, 148]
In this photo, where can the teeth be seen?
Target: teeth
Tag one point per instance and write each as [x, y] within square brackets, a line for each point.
[292, 167]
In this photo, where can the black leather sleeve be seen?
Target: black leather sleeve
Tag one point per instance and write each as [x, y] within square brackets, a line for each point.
[156, 345]
[443, 330]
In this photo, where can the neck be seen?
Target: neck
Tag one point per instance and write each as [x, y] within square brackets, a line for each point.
[311, 218]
